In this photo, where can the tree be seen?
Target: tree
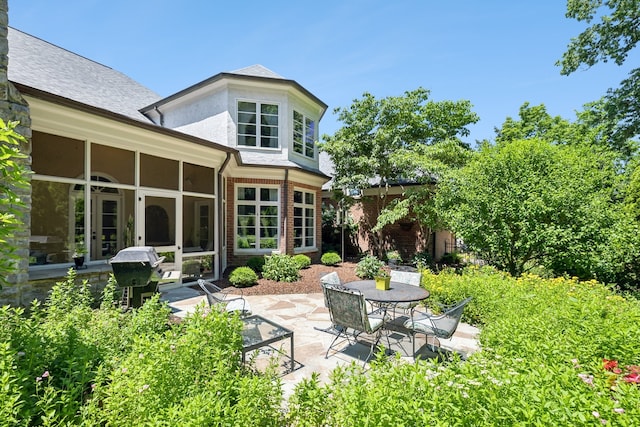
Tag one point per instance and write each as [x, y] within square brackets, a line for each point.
[393, 140]
[527, 202]
[14, 176]
[612, 38]
[592, 127]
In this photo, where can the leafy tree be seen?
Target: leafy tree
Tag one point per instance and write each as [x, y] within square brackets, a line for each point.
[14, 176]
[394, 140]
[592, 127]
[528, 202]
[611, 38]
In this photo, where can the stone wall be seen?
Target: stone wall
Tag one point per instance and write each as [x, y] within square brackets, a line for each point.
[13, 107]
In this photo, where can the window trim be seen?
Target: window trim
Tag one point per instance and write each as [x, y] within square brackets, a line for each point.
[303, 206]
[258, 125]
[257, 203]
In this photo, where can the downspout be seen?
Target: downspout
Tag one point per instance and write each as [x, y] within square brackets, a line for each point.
[222, 215]
[160, 115]
[285, 208]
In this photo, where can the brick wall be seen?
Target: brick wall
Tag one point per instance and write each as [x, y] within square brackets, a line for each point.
[406, 236]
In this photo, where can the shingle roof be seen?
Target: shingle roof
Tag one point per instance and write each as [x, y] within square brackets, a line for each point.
[41, 65]
[257, 70]
[258, 159]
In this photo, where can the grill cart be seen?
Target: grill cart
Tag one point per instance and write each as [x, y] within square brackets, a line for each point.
[137, 271]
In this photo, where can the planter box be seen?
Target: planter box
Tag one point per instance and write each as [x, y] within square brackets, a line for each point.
[382, 283]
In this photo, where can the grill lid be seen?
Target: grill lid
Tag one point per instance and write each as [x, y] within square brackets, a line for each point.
[138, 254]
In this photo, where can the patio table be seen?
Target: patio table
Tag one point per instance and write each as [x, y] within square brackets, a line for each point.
[397, 292]
[258, 331]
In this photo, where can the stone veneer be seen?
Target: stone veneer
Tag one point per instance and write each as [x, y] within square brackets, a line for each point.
[13, 107]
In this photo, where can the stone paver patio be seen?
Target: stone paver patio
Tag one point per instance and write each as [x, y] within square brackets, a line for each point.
[303, 313]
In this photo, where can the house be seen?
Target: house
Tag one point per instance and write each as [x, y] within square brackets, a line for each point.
[407, 236]
[210, 176]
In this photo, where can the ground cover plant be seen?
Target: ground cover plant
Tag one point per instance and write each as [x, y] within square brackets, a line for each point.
[554, 352]
[68, 364]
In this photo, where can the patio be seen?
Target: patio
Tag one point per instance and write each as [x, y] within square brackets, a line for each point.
[303, 313]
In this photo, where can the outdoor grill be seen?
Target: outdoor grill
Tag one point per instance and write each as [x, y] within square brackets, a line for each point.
[137, 270]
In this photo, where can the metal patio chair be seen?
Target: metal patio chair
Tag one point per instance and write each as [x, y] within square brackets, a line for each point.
[348, 311]
[440, 326]
[216, 297]
[329, 279]
[410, 278]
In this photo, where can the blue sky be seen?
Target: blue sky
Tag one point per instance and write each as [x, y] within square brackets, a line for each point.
[495, 53]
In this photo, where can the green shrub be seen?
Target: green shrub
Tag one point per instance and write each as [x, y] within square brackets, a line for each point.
[67, 364]
[242, 277]
[302, 260]
[422, 260]
[330, 258]
[451, 258]
[368, 267]
[544, 345]
[281, 268]
[256, 263]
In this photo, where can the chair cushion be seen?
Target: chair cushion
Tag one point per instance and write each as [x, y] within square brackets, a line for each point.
[375, 322]
[422, 326]
[238, 305]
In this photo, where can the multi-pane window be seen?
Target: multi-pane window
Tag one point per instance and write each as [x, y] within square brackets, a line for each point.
[304, 211]
[257, 218]
[304, 134]
[257, 124]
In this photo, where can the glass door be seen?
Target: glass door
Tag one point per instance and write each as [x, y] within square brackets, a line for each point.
[159, 215]
[106, 227]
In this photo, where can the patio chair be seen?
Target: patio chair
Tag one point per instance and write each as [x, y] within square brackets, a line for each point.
[348, 311]
[218, 298]
[440, 326]
[409, 278]
[329, 279]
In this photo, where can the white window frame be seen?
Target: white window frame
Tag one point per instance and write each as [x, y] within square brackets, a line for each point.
[304, 206]
[257, 225]
[258, 125]
[305, 140]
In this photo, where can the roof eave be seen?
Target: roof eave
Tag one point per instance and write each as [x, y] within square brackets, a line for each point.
[56, 99]
[232, 76]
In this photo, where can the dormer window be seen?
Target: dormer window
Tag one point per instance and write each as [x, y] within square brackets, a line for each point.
[304, 134]
[257, 125]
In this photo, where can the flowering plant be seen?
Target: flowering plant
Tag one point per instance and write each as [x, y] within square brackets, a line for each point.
[630, 374]
[383, 272]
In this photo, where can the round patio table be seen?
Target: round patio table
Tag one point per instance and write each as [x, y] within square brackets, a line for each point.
[398, 292]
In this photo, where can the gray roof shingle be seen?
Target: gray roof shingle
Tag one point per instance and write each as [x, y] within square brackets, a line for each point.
[41, 65]
[258, 71]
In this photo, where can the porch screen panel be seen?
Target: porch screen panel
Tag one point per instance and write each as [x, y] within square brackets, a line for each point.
[158, 172]
[57, 156]
[118, 164]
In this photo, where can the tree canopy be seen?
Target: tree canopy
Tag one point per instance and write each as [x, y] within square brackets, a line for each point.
[395, 140]
[613, 37]
[387, 140]
[527, 202]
